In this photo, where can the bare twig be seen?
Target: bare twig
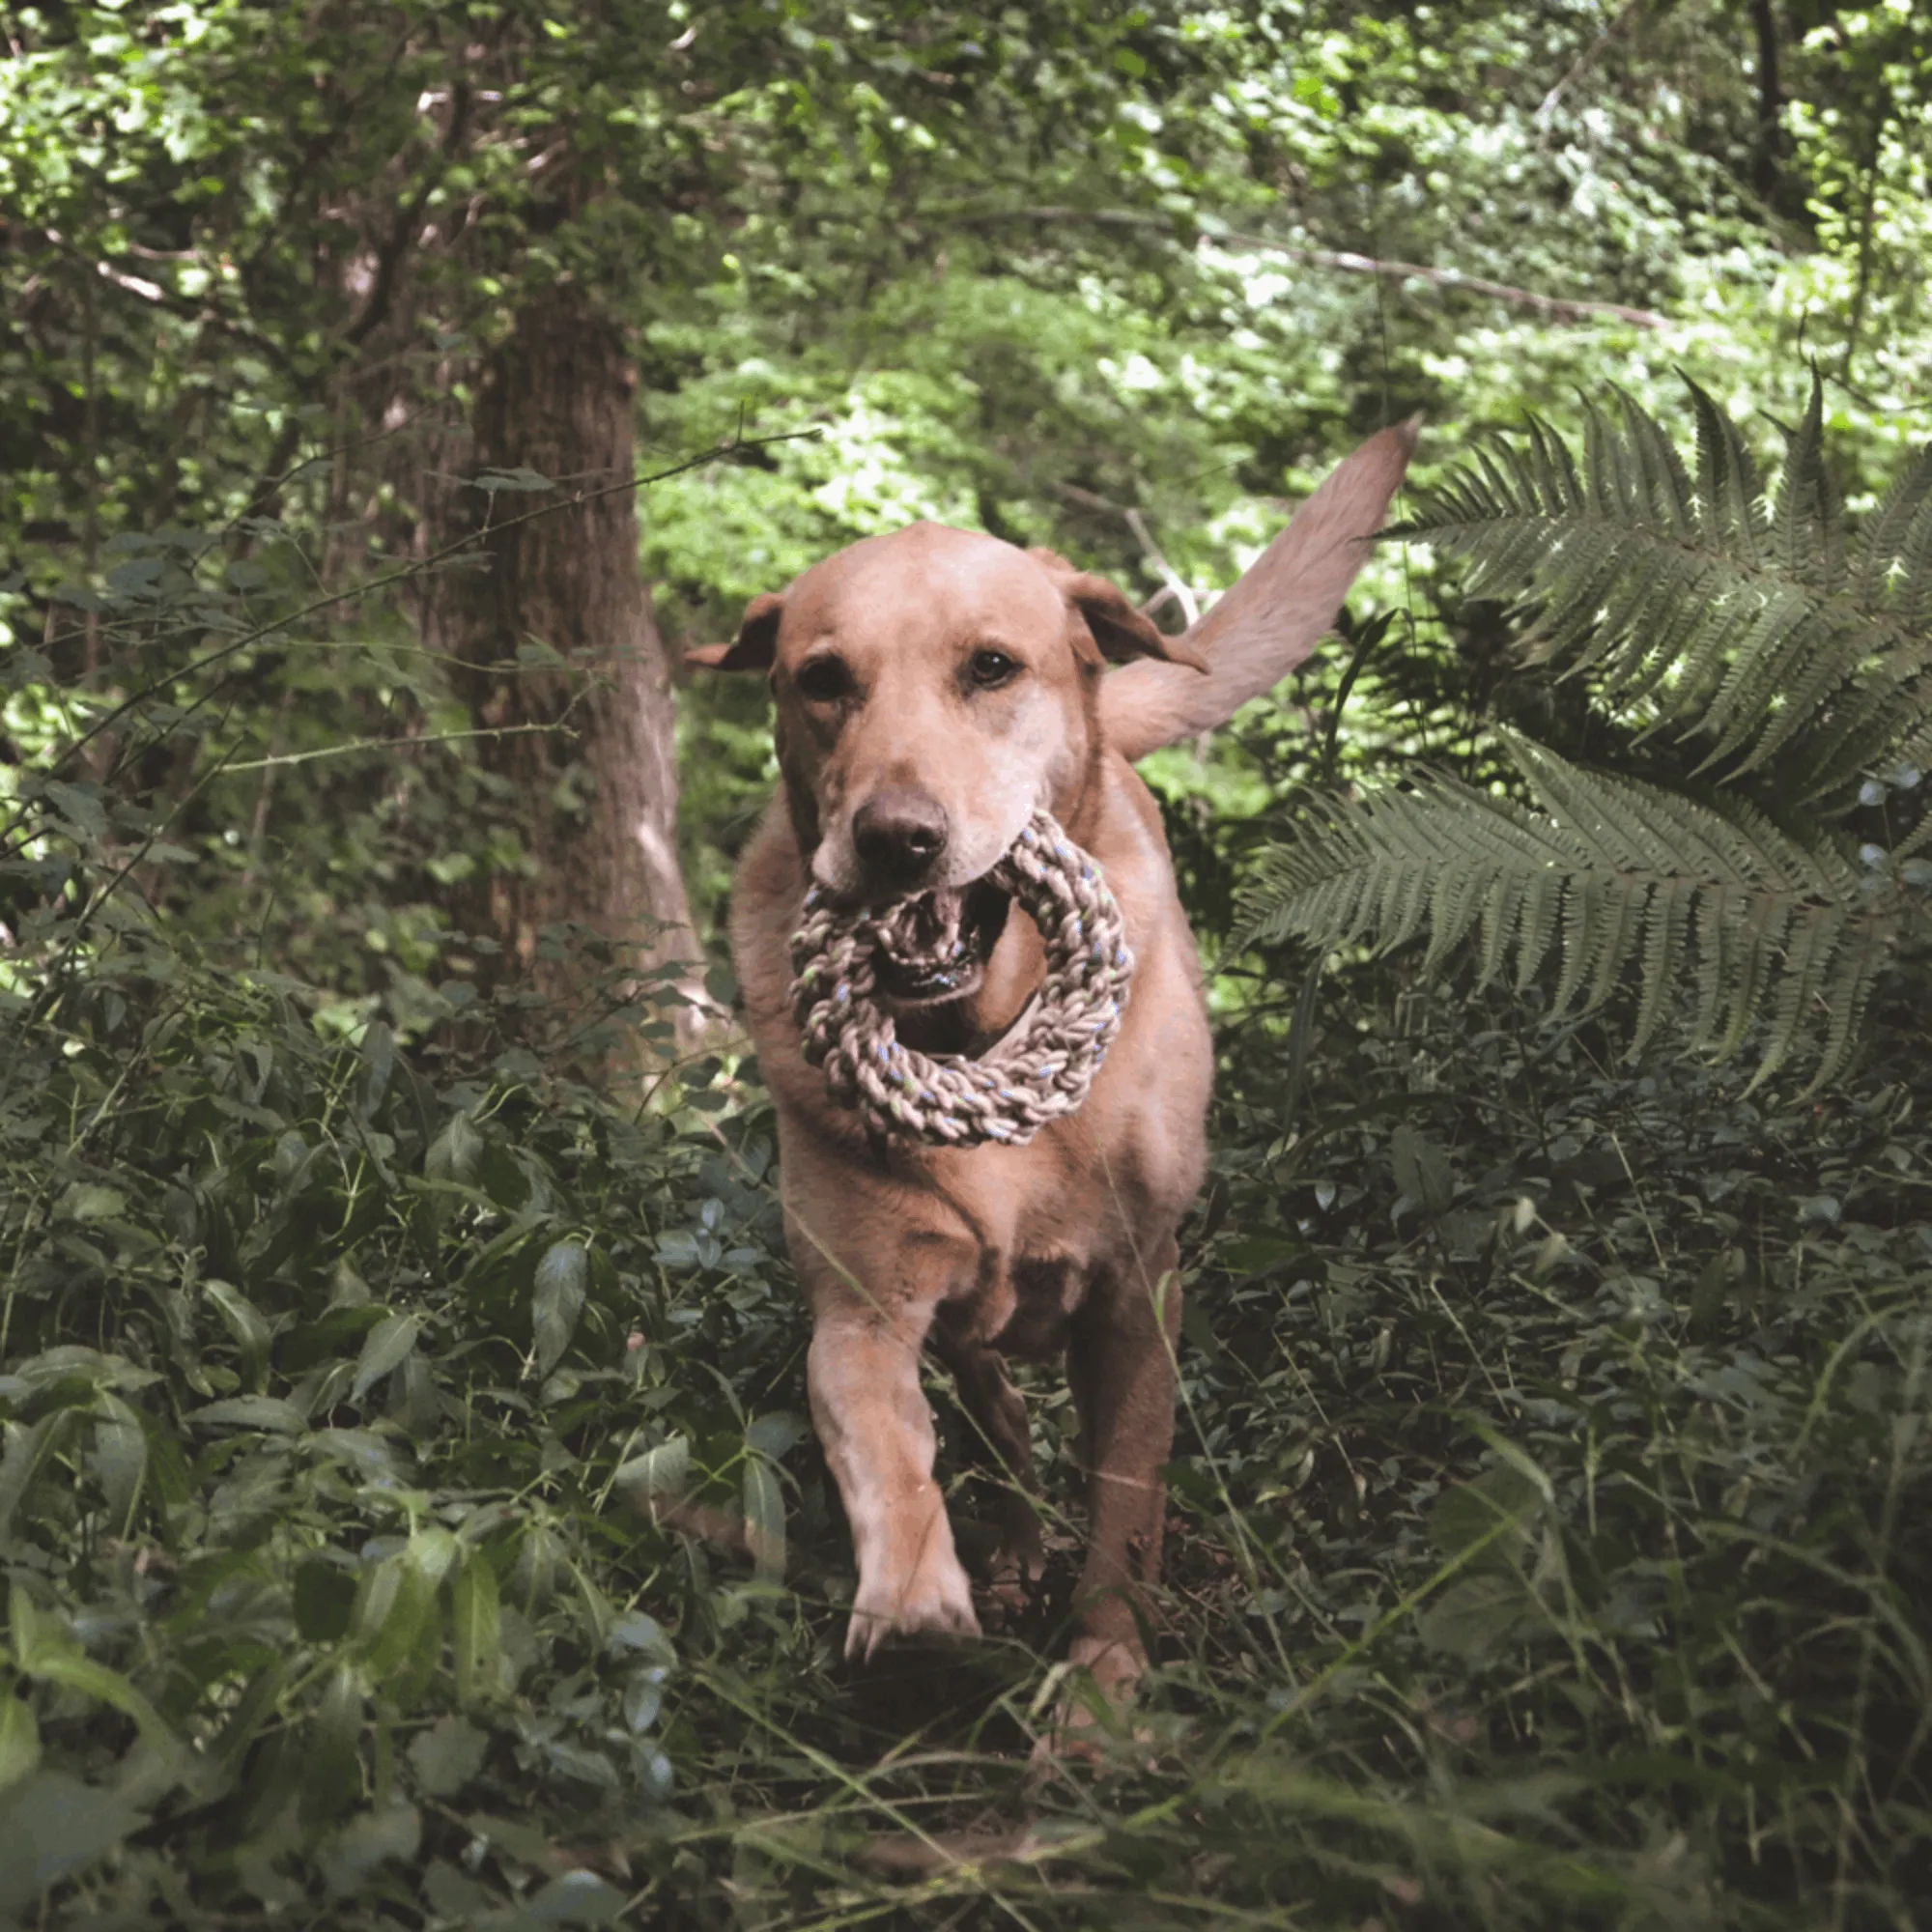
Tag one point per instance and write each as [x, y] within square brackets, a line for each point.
[1173, 589]
[405, 743]
[1546, 107]
[468, 543]
[395, 244]
[1190, 605]
[1559, 308]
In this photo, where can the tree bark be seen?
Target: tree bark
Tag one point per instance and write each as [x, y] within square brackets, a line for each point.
[587, 745]
[1770, 167]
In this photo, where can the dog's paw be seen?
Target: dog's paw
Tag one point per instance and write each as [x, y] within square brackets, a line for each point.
[1115, 1667]
[935, 1599]
[1101, 1737]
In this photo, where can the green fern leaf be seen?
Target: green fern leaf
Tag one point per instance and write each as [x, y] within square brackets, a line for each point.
[1676, 590]
[1698, 903]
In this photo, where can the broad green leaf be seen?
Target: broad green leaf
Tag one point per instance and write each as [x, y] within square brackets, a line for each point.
[346, 1288]
[597, 1611]
[51, 1827]
[776, 1434]
[252, 1714]
[764, 1518]
[27, 1630]
[324, 1600]
[1493, 1511]
[1709, 1289]
[253, 1411]
[643, 1699]
[120, 1457]
[331, 1768]
[82, 805]
[575, 1898]
[244, 1320]
[1474, 1615]
[580, 1762]
[26, 1450]
[454, 1897]
[366, 1841]
[456, 1152]
[383, 1350]
[398, 1615]
[1422, 1170]
[635, 1630]
[19, 1740]
[659, 1472]
[378, 1061]
[1252, 1253]
[447, 1755]
[86, 1201]
[562, 1277]
[478, 1620]
[52, 1662]
[432, 1549]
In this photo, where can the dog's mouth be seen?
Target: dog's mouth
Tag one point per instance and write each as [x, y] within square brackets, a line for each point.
[934, 948]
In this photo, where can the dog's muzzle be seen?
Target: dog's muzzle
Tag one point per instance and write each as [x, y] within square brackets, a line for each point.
[935, 945]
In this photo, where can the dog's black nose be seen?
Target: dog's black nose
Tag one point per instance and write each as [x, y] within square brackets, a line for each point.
[899, 833]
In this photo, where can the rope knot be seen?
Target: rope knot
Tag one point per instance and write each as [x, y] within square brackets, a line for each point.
[1042, 1069]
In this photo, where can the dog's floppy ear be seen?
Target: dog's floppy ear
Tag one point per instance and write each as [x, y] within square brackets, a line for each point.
[754, 646]
[1117, 629]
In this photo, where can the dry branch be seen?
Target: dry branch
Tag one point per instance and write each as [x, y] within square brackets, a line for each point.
[1559, 308]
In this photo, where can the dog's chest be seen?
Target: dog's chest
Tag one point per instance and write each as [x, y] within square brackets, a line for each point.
[1049, 1228]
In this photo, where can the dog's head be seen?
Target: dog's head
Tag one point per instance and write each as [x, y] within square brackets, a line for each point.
[934, 688]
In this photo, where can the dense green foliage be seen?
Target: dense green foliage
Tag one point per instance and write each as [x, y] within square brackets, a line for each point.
[407, 1512]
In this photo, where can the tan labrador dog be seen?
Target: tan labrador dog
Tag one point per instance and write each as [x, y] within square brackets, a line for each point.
[933, 688]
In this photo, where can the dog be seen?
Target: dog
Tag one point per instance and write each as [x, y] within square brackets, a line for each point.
[933, 688]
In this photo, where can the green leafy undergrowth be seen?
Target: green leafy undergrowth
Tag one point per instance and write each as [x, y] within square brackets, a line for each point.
[409, 1521]
[343, 1393]
[1561, 1434]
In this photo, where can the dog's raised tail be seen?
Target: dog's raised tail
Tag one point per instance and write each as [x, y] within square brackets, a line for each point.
[1273, 617]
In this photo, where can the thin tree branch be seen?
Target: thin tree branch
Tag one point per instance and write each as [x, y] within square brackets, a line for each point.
[1546, 107]
[395, 245]
[470, 542]
[1183, 594]
[1559, 308]
[1174, 588]
[157, 296]
[406, 743]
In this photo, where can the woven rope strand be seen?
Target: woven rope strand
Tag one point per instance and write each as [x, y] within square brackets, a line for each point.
[947, 1099]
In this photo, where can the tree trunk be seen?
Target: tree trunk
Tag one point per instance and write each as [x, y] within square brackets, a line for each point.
[1770, 169]
[588, 747]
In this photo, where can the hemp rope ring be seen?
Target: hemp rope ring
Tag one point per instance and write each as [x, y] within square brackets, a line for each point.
[1041, 1070]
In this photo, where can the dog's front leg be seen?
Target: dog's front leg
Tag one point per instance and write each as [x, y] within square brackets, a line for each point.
[876, 1429]
[1120, 1364]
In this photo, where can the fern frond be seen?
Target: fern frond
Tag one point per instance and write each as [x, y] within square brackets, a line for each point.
[1727, 481]
[1897, 544]
[1807, 524]
[1619, 878]
[1677, 586]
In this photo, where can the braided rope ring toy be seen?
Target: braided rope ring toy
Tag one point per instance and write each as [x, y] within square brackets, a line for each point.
[1041, 1070]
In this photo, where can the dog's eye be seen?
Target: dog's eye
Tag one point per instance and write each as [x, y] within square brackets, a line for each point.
[989, 670]
[824, 680]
